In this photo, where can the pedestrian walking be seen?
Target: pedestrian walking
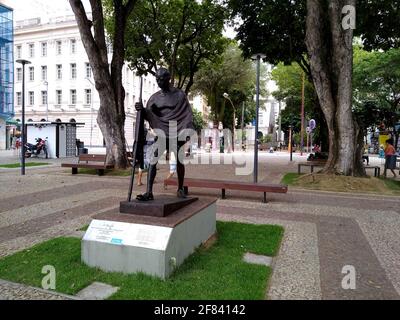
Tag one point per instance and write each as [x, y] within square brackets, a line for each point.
[390, 157]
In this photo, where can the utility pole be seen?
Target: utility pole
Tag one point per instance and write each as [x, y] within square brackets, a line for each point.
[302, 114]
[280, 123]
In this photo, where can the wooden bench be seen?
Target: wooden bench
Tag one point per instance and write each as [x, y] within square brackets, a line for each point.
[311, 164]
[229, 185]
[89, 161]
[377, 170]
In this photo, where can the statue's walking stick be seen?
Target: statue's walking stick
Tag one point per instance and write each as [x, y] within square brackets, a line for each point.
[138, 156]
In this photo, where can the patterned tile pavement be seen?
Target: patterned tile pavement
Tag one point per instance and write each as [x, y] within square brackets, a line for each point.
[323, 231]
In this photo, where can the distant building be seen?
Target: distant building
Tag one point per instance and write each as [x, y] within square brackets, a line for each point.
[6, 73]
[199, 103]
[269, 114]
[59, 81]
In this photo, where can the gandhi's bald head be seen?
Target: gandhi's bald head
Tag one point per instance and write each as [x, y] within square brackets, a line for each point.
[163, 76]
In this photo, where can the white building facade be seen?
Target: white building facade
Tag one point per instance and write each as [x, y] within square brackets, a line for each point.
[270, 111]
[59, 81]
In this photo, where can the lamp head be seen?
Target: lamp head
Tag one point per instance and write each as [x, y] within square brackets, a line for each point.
[258, 56]
[23, 61]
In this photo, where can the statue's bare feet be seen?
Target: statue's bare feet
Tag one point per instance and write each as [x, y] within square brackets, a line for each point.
[181, 194]
[145, 197]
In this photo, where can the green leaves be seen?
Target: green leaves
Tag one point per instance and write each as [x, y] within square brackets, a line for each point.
[177, 34]
[233, 75]
[376, 82]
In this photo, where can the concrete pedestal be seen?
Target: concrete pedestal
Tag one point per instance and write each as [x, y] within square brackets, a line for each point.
[116, 242]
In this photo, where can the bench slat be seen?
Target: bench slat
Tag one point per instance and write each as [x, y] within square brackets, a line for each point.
[230, 185]
[92, 157]
[86, 165]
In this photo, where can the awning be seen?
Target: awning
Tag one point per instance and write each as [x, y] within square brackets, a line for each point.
[12, 122]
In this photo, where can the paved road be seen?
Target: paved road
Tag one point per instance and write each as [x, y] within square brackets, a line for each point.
[323, 231]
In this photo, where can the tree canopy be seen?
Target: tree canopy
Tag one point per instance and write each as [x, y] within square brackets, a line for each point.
[289, 81]
[278, 28]
[275, 28]
[177, 34]
[229, 74]
[376, 83]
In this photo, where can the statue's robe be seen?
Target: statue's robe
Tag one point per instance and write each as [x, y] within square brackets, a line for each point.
[162, 108]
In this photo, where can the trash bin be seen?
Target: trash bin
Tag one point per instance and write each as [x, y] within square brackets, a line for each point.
[82, 151]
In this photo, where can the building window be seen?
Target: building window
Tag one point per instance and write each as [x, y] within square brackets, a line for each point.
[58, 47]
[19, 98]
[19, 52]
[31, 95]
[44, 73]
[59, 96]
[58, 71]
[73, 46]
[44, 49]
[31, 50]
[44, 97]
[88, 96]
[31, 73]
[88, 70]
[73, 96]
[73, 70]
[19, 74]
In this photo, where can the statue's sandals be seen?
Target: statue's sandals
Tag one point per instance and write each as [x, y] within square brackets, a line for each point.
[145, 197]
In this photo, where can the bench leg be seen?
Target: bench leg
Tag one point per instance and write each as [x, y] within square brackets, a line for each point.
[186, 190]
[100, 172]
[265, 198]
[74, 170]
[312, 169]
[223, 197]
[299, 169]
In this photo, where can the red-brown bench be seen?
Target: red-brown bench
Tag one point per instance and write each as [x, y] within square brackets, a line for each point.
[229, 185]
[89, 161]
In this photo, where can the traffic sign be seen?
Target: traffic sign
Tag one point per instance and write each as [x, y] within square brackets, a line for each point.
[313, 124]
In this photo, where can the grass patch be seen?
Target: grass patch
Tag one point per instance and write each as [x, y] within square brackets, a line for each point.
[214, 273]
[290, 178]
[110, 172]
[84, 228]
[392, 184]
[113, 172]
[27, 164]
[337, 183]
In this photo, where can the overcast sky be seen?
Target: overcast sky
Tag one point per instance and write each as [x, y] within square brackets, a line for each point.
[27, 9]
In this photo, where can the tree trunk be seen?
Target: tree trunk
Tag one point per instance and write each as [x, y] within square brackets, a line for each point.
[331, 61]
[111, 115]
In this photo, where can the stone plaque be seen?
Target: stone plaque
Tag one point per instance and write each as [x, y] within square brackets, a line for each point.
[121, 233]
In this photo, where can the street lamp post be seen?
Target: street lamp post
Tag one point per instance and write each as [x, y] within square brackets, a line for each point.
[258, 58]
[226, 96]
[23, 131]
